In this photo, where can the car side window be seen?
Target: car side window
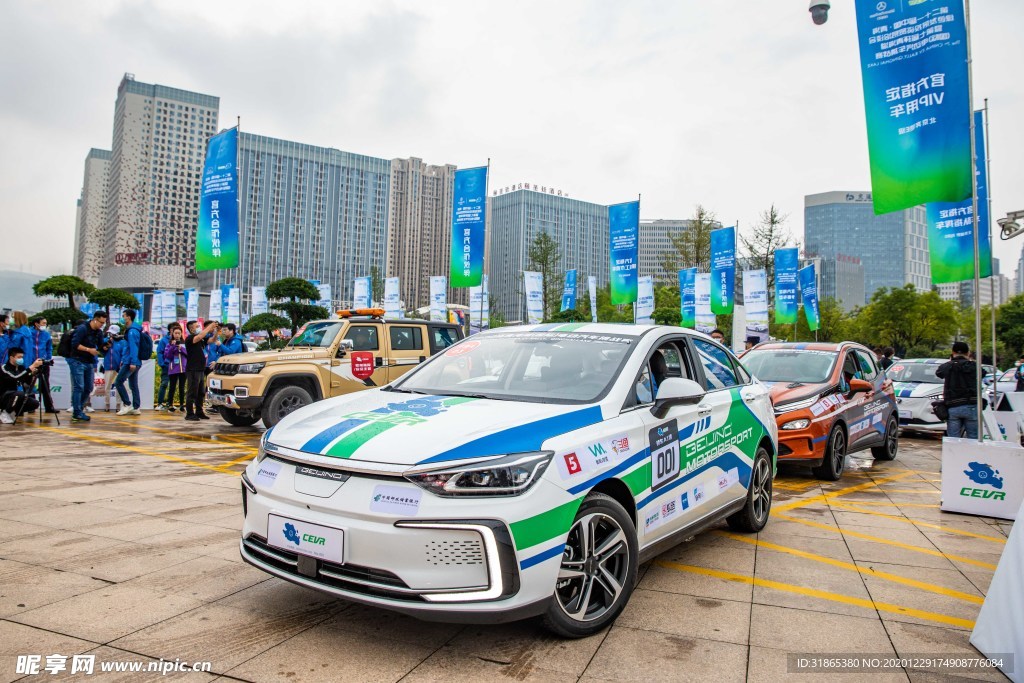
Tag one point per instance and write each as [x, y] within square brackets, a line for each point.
[443, 338]
[866, 363]
[364, 337]
[718, 368]
[406, 338]
[644, 388]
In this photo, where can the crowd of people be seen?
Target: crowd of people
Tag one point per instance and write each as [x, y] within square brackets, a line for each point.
[118, 351]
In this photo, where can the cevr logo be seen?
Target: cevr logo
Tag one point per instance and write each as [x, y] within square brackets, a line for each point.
[984, 474]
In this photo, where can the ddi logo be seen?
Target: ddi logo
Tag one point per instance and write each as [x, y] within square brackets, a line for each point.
[572, 463]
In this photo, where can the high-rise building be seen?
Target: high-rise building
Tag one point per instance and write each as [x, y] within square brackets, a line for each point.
[998, 289]
[841, 278]
[654, 241]
[419, 229]
[310, 212]
[91, 218]
[893, 247]
[517, 217]
[156, 165]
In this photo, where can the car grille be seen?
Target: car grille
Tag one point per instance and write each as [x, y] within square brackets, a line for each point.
[226, 369]
[347, 577]
[454, 552]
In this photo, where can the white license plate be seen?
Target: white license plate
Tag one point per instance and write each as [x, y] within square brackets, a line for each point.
[906, 414]
[306, 538]
[214, 383]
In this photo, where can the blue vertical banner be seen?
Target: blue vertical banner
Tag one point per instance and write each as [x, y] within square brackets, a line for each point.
[217, 230]
[687, 298]
[914, 66]
[225, 299]
[623, 228]
[569, 291]
[809, 293]
[469, 209]
[951, 226]
[141, 298]
[723, 270]
[786, 263]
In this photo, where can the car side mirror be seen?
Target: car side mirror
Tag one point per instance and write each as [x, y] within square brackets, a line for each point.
[676, 391]
[860, 385]
[344, 347]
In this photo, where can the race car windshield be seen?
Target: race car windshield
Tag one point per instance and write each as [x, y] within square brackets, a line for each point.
[317, 334]
[915, 372]
[542, 367]
[790, 365]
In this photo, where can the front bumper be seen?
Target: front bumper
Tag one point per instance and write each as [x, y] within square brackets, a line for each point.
[448, 560]
[227, 399]
[916, 415]
[802, 446]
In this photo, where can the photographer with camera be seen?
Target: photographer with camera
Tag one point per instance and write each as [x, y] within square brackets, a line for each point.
[36, 342]
[87, 345]
[16, 382]
[195, 368]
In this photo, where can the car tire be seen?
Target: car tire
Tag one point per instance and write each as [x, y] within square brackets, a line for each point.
[238, 418]
[754, 514]
[888, 449]
[282, 402]
[592, 587]
[834, 462]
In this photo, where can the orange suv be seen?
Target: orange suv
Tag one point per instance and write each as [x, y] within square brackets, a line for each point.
[829, 400]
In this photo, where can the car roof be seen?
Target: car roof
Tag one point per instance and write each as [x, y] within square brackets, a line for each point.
[618, 329]
[809, 346]
[400, 321]
[926, 361]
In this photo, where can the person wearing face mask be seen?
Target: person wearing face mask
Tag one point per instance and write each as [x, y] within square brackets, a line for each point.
[16, 382]
[1018, 374]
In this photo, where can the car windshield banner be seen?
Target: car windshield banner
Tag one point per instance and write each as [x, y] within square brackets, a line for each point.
[755, 303]
[217, 229]
[623, 227]
[533, 285]
[392, 298]
[360, 292]
[687, 300]
[259, 301]
[479, 307]
[914, 66]
[809, 292]
[592, 287]
[704, 319]
[438, 298]
[951, 226]
[645, 300]
[723, 270]
[569, 291]
[786, 264]
[468, 219]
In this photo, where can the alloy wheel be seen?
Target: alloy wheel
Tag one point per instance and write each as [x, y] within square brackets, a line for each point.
[595, 564]
[761, 489]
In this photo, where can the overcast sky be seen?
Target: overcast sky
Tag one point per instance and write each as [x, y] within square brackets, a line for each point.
[735, 105]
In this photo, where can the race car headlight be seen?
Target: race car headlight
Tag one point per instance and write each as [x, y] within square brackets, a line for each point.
[797, 424]
[251, 368]
[510, 475]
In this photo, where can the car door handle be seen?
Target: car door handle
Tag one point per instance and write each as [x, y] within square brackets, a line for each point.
[750, 398]
[703, 410]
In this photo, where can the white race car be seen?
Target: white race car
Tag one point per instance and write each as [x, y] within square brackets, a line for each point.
[917, 387]
[524, 471]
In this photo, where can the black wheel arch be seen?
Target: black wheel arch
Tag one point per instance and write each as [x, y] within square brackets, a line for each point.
[295, 379]
[617, 490]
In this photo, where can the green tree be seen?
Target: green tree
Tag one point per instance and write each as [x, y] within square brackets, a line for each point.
[609, 313]
[905, 318]
[691, 247]
[545, 258]
[63, 286]
[295, 292]
[65, 317]
[376, 285]
[113, 297]
[265, 322]
[768, 236]
[569, 315]
[1010, 325]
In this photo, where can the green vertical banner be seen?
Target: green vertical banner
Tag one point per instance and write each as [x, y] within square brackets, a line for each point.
[469, 211]
[688, 298]
[914, 65]
[723, 270]
[809, 293]
[786, 263]
[623, 229]
[951, 226]
[217, 229]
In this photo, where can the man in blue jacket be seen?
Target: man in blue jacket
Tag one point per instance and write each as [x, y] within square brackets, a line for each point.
[163, 363]
[232, 343]
[130, 363]
[37, 343]
[87, 344]
[5, 338]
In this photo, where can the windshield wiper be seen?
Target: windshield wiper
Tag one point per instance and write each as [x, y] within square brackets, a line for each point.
[794, 385]
[403, 391]
[486, 396]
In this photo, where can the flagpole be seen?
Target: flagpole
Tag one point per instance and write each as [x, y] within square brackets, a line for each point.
[487, 196]
[974, 219]
[635, 303]
[992, 260]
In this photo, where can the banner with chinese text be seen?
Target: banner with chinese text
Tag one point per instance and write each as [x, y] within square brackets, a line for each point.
[217, 229]
[469, 211]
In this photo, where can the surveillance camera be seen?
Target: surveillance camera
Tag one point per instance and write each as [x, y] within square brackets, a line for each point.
[1010, 228]
[819, 11]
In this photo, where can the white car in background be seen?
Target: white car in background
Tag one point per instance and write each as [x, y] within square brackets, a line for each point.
[523, 471]
[917, 386]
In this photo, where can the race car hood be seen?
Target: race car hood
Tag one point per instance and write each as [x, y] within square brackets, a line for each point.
[410, 429]
[782, 392]
[916, 389]
[304, 353]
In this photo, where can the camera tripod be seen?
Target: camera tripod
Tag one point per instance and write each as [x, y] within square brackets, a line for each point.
[44, 387]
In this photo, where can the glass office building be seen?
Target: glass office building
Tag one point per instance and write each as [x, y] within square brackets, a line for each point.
[310, 212]
[517, 217]
[893, 248]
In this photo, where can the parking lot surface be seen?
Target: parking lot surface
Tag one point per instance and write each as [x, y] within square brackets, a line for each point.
[120, 540]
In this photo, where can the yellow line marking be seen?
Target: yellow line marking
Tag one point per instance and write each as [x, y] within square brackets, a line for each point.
[879, 502]
[934, 491]
[182, 435]
[244, 458]
[141, 451]
[823, 595]
[867, 571]
[841, 492]
[886, 541]
[852, 507]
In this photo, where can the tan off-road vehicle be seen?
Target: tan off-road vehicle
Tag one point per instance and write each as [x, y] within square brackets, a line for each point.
[316, 364]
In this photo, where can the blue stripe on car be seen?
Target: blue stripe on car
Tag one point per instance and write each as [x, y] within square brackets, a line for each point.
[542, 556]
[621, 467]
[726, 461]
[322, 440]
